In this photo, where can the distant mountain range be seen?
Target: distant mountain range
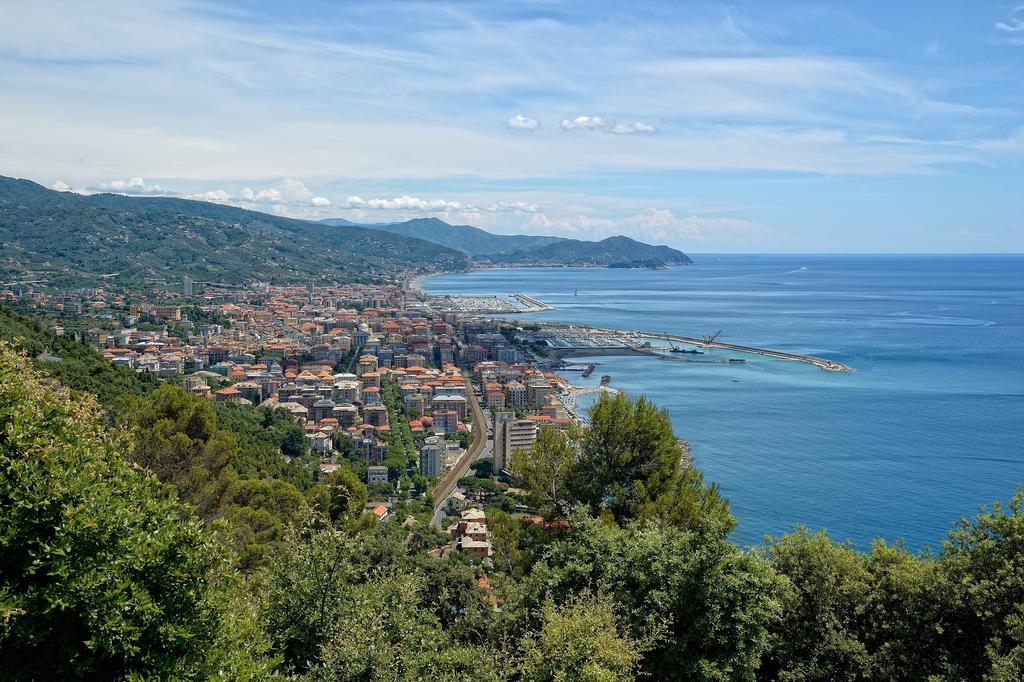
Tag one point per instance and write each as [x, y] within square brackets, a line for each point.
[69, 239]
[481, 245]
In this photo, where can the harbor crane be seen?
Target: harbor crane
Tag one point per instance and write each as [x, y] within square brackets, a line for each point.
[711, 338]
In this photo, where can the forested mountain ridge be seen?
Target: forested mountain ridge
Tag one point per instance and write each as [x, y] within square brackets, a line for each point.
[66, 238]
[520, 248]
[470, 240]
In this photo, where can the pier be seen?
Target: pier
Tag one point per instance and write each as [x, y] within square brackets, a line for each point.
[531, 304]
[820, 363]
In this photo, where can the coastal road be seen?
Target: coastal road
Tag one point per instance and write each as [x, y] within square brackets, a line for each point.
[476, 448]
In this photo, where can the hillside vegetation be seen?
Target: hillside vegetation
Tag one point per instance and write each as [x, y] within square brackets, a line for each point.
[70, 239]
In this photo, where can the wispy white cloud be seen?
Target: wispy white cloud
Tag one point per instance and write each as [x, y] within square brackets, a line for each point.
[1014, 22]
[598, 123]
[663, 226]
[422, 95]
[520, 122]
[638, 128]
[514, 206]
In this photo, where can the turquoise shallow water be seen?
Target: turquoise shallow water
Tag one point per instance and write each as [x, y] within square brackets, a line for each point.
[929, 426]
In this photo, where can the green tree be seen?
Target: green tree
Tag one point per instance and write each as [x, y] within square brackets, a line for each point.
[384, 634]
[712, 603]
[545, 469]
[578, 641]
[823, 609]
[102, 573]
[258, 512]
[629, 458]
[348, 494]
[293, 443]
[904, 616]
[505, 533]
[982, 571]
[350, 603]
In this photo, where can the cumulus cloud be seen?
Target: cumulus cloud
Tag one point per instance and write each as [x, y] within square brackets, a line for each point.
[217, 196]
[404, 203]
[584, 123]
[62, 186]
[134, 185]
[520, 122]
[418, 205]
[288, 192]
[598, 123]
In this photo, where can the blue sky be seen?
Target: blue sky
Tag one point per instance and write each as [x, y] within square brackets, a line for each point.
[742, 126]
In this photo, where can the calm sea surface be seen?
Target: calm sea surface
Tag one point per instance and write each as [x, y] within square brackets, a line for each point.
[929, 426]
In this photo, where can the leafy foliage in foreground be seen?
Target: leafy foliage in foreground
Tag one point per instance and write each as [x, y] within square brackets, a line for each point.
[102, 572]
[228, 461]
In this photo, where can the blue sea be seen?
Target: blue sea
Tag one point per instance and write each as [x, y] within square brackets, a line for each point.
[928, 427]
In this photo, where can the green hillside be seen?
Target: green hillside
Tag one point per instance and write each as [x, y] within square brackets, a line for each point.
[68, 239]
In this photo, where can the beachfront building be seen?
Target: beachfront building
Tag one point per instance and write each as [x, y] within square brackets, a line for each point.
[538, 392]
